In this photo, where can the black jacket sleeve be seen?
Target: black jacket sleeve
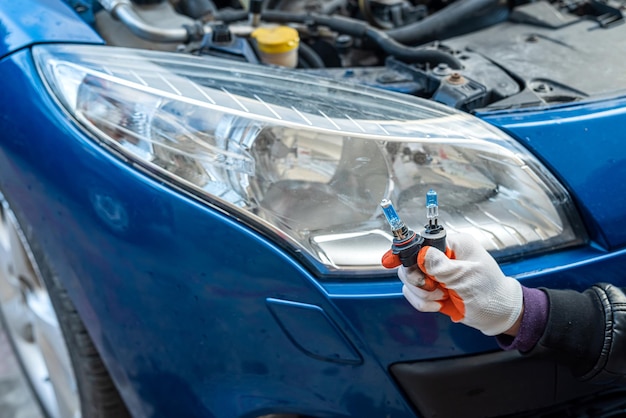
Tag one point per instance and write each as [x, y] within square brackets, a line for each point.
[587, 331]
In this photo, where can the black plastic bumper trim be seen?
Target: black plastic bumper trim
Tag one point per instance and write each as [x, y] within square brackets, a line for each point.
[495, 384]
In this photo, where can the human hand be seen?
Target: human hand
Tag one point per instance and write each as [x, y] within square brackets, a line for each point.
[470, 287]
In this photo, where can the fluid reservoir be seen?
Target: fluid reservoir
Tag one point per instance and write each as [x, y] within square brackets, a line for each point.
[278, 45]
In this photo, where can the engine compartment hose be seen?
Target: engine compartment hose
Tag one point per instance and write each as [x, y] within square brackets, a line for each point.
[230, 15]
[308, 58]
[447, 21]
[123, 10]
[357, 29]
[127, 15]
[411, 55]
[195, 9]
[366, 11]
[363, 30]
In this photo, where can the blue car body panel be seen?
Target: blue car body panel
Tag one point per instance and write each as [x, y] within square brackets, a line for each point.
[196, 314]
[25, 23]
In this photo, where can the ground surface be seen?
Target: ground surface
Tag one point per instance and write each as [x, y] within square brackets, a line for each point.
[16, 400]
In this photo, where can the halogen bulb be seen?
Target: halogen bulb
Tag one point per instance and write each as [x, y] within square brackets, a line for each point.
[390, 213]
[432, 207]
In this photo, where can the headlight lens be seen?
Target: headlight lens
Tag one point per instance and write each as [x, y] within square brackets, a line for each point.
[308, 159]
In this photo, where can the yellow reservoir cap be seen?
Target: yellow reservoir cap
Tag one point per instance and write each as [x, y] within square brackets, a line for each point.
[276, 40]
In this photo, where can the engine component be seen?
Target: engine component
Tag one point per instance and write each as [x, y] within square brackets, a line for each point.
[162, 15]
[504, 55]
[196, 9]
[389, 14]
[458, 18]
[125, 12]
[460, 92]
[371, 36]
[478, 84]
[278, 45]
[552, 62]
[223, 44]
[254, 12]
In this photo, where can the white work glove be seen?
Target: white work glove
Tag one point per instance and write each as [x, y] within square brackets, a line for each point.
[470, 287]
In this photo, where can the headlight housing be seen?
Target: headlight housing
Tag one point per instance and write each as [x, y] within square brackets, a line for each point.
[308, 160]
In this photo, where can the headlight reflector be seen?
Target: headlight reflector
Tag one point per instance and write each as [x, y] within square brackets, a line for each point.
[309, 159]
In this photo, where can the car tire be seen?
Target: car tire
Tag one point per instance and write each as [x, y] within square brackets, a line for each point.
[77, 379]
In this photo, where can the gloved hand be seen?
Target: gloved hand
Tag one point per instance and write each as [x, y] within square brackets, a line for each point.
[470, 289]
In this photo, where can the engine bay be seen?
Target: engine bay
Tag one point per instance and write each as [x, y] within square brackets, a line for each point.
[473, 55]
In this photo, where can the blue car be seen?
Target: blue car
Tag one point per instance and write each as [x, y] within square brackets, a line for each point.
[190, 219]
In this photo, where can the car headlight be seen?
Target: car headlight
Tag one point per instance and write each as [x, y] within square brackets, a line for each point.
[308, 160]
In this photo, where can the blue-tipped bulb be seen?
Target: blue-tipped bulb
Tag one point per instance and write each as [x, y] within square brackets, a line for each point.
[391, 215]
[432, 207]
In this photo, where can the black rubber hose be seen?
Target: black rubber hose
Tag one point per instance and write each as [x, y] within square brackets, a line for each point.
[229, 15]
[447, 20]
[379, 38]
[303, 64]
[409, 54]
[357, 29]
[196, 9]
[309, 56]
[332, 6]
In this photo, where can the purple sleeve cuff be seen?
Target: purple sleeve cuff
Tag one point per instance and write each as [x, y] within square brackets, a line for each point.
[533, 323]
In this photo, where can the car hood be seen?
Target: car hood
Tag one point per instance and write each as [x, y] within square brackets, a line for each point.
[25, 23]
